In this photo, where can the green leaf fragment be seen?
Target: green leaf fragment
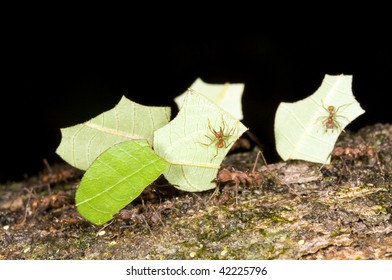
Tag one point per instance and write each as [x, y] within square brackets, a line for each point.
[189, 145]
[116, 178]
[83, 143]
[227, 96]
[308, 129]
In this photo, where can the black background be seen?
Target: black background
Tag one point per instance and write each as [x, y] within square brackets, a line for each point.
[55, 81]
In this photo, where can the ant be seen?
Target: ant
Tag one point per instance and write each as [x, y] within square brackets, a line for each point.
[62, 175]
[49, 202]
[330, 122]
[236, 177]
[219, 137]
[57, 175]
[44, 203]
[352, 153]
[360, 150]
[147, 214]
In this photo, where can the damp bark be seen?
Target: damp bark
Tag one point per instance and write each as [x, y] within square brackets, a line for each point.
[294, 210]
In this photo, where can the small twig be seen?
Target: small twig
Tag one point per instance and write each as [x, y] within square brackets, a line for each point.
[105, 226]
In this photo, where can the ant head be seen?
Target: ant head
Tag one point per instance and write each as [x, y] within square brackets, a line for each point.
[331, 108]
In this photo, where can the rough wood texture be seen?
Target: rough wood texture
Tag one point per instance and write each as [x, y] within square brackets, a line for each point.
[297, 210]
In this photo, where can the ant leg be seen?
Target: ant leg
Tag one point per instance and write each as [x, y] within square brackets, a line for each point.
[216, 154]
[207, 145]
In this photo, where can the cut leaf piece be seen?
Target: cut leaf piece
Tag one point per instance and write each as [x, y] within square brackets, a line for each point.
[115, 178]
[188, 143]
[81, 144]
[309, 128]
[227, 96]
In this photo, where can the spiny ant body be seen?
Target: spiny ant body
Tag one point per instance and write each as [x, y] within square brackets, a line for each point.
[51, 201]
[219, 137]
[146, 214]
[235, 178]
[330, 122]
[353, 152]
[239, 177]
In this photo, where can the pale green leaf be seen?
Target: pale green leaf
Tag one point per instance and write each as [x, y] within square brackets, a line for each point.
[81, 144]
[227, 96]
[189, 145]
[301, 128]
[116, 178]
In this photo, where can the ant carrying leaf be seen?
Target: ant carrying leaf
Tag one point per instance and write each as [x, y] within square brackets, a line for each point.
[308, 129]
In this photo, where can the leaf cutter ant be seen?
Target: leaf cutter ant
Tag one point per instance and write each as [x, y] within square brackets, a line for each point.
[234, 178]
[330, 122]
[219, 137]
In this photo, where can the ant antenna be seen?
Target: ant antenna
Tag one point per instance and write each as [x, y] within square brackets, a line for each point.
[254, 138]
[260, 153]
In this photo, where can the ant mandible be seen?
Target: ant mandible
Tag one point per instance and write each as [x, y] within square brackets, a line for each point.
[219, 137]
